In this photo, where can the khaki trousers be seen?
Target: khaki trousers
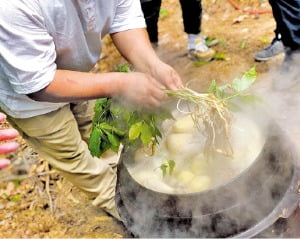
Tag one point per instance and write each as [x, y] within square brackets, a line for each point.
[61, 137]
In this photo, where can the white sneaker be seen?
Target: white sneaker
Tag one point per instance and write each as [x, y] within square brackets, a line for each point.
[198, 50]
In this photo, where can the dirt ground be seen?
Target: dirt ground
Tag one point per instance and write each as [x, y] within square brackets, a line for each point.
[45, 205]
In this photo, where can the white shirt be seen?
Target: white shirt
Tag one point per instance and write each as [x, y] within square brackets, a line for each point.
[39, 36]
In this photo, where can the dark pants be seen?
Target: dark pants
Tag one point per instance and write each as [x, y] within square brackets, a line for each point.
[287, 16]
[191, 14]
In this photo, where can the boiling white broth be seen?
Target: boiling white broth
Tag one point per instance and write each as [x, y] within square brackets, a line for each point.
[194, 172]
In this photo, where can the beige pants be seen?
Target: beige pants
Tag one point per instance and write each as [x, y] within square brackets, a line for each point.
[61, 137]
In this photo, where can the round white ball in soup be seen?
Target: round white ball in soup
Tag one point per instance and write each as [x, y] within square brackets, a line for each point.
[176, 142]
[184, 176]
[199, 183]
[184, 125]
[199, 165]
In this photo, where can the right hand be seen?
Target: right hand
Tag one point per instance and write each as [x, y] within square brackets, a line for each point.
[142, 90]
[8, 147]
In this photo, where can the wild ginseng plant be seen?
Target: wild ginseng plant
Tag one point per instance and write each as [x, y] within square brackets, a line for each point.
[212, 109]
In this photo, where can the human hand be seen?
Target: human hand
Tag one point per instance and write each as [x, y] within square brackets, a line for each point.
[165, 74]
[8, 147]
[142, 89]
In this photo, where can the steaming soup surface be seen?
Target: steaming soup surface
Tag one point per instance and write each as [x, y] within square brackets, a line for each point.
[193, 172]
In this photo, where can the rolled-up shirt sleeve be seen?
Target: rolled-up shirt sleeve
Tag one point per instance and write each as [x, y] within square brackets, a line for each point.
[27, 51]
[128, 15]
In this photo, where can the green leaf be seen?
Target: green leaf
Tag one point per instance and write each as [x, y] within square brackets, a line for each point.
[163, 168]
[101, 110]
[233, 106]
[212, 87]
[111, 129]
[220, 56]
[265, 40]
[243, 44]
[248, 99]
[123, 68]
[223, 87]
[157, 134]
[12, 198]
[114, 141]
[146, 134]
[200, 63]
[95, 141]
[211, 41]
[106, 126]
[218, 91]
[135, 131]
[163, 12]
[246, 81]
[171, 164]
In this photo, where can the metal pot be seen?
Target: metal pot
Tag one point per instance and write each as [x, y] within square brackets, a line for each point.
[227, 210]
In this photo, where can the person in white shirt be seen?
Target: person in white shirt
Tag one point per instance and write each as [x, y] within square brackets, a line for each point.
[46, 50]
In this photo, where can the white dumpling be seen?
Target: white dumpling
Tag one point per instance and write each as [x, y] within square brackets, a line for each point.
[183, 125]
[199, 164]
[185, 177]
[199, 183]
[177, 142]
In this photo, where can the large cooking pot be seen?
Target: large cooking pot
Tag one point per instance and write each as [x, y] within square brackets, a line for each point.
[227, 210]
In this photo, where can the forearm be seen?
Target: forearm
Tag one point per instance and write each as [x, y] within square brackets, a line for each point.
[134, 45]
[68, 86]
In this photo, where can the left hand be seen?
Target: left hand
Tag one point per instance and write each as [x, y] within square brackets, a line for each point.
[165, 74]
[8, 147]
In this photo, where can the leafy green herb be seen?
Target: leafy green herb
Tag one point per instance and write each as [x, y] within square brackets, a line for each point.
[95, 141]
[115, 124]
[168, 167]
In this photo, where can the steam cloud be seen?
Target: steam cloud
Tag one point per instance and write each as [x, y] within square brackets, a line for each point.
[282, 106]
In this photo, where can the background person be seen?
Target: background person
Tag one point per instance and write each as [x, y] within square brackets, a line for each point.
[192, 15]
[273, 49]
[276, 47]
[287, 17]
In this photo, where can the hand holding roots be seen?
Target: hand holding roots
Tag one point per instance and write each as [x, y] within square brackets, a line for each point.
[208, 110]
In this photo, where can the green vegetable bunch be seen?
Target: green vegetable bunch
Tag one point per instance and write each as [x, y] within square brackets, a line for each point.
[114, 123]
